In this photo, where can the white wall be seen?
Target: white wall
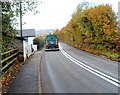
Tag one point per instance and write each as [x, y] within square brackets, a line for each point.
[27, 50]
[27, 47]
[30, 40]
[35, 47]
[24, 50]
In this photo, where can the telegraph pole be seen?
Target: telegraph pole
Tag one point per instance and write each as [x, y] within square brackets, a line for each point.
[21, 19]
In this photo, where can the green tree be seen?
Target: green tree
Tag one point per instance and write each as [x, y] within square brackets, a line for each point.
[7, 25]
[39, 42]
[10, 11]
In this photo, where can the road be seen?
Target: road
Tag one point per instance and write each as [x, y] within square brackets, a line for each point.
[74, 71]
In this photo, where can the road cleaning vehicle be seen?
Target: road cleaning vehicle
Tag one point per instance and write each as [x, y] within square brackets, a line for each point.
[51, 42]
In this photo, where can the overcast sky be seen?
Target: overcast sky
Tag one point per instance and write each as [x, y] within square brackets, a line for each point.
[57, 13]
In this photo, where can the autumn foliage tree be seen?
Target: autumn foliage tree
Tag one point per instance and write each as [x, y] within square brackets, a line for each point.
[100, 25]
[94, 27]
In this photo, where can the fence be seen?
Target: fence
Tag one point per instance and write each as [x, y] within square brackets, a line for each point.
[8, 59]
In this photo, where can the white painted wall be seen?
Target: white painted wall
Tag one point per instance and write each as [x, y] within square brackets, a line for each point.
[24, 50]
[35, 47]
[30, 40]
[27, 47]
[27, 50]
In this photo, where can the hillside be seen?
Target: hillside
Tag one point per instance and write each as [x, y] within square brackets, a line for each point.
[44, 31]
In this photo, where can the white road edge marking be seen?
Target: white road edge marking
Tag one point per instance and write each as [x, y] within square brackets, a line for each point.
[90, 69]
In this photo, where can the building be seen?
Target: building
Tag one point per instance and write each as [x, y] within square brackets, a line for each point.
[25, 43]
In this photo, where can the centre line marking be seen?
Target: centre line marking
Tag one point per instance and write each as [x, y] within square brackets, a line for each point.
[90, 69]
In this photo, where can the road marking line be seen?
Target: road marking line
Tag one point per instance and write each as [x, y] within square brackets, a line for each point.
[90, 69]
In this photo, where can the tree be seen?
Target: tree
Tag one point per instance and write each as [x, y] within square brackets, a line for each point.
[30, 5]
[7, 25]
[91, 26]
[9, 13]
[39, 42]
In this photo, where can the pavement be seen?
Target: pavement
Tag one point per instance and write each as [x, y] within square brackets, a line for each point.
[28, 79]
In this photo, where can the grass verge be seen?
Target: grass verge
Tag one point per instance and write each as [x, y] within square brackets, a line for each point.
[114, 56]
[104, 53]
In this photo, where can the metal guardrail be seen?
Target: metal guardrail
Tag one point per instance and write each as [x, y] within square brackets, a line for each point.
[8, 59]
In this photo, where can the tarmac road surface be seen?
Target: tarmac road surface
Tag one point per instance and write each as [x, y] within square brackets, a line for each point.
[74, 71]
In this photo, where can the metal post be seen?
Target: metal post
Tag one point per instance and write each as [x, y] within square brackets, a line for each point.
[21, 19]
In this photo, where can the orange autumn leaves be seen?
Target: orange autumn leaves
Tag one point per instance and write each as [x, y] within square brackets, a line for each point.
[100, 23]
[103, 19]
[94, 27]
